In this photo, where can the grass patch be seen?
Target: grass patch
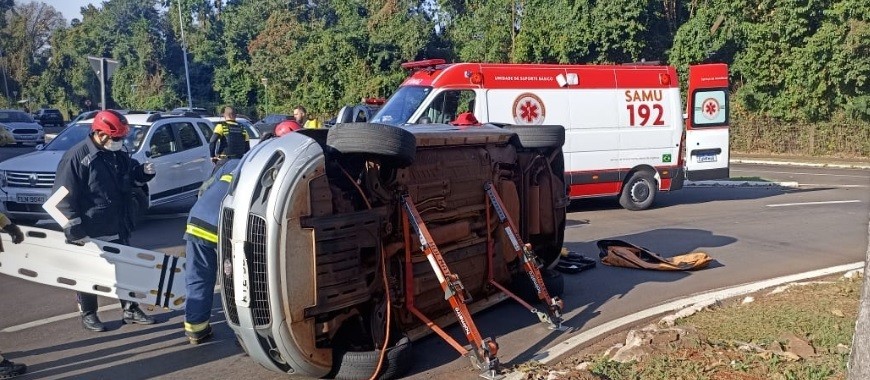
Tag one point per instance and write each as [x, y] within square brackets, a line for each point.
[757, 340]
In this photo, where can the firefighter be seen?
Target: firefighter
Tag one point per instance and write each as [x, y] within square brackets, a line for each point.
[100, 179]
[10, 369]
[229, 140]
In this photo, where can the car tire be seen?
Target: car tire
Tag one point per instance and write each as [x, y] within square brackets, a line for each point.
[538, 136]
[354, 365]
[639, 191]
[392, 145]
[522, 286]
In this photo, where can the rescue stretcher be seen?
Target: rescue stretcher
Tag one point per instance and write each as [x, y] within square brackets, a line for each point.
[98, 267]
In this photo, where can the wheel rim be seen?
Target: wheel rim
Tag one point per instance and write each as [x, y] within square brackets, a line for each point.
[640, 191]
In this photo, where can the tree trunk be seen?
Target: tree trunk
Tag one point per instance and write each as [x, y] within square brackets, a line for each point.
[859, 359]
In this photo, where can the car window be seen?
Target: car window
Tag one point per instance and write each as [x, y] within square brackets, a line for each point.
[253, 133]
[205, 129]
[69, 137]
[15, 117]
[187, 135]
[162, 141]
[135, 137]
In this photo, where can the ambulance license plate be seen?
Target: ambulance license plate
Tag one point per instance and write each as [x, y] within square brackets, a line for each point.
[707, 158]
[30, 198]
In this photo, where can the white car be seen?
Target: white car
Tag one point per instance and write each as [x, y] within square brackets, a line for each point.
[178, 147]
[23, 127]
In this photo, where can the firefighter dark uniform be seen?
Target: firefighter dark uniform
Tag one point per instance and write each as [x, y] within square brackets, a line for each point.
[100, 184]
[201, 252]
[229, 141]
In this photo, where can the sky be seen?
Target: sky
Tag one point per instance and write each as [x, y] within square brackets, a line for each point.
[71, 8]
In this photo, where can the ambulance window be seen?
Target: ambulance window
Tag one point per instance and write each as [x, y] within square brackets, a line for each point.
[710, 108]
[448, 104]
[399, 108]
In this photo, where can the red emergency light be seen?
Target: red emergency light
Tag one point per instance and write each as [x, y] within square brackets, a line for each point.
[426, 63]
[374, 101]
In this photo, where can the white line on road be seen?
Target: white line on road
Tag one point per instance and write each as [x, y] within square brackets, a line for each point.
[53, 319]
[563, 348]
[800, 173]
[813, 203]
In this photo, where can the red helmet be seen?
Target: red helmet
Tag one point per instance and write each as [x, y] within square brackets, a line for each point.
[111, 123]
[286, 127]
[466, 118]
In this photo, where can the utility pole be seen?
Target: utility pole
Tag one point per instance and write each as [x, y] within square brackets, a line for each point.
[5, 84]
[184, 51]
[104, 68]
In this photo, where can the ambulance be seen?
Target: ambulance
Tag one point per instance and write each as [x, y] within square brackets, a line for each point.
[627, 132]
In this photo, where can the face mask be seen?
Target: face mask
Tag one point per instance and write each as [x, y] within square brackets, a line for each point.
[113, 146]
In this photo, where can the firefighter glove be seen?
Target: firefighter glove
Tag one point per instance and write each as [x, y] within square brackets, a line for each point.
[15, 232]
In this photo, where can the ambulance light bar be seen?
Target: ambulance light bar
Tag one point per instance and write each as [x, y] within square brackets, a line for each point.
[427, 63]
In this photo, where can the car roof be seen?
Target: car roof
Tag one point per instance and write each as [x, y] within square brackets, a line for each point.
[147, 119]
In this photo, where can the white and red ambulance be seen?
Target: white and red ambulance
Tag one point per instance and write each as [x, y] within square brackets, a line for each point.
[626, 133]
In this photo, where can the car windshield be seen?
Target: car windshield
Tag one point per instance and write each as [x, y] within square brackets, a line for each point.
[78, 132]
[15, 117]
[401, 105]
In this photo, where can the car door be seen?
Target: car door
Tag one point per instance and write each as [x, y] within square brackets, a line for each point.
[161, 149]
[195, 162]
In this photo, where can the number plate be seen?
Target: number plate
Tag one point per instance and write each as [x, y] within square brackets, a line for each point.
[30, 198]
[707, 158]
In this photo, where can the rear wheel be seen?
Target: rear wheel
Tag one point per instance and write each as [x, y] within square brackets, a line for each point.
[389, 144]
[639, 191]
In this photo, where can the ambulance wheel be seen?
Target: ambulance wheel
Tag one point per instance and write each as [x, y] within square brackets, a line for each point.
[639, 191]
[538, 136]
[522, 285]
[392, 145]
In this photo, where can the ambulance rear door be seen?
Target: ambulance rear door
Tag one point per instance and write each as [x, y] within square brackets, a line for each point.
[707, 149]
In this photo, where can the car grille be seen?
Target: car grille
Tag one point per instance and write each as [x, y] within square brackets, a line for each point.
[259, 275]
[227, 253]
[24, 207]
[24, 131]
[30, 179]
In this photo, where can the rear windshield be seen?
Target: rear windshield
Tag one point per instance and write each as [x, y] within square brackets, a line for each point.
[15, 117]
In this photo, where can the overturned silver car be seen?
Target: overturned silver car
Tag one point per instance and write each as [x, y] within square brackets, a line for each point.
[338, 246]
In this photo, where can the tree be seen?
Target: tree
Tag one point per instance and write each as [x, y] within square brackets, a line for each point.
[26, 33]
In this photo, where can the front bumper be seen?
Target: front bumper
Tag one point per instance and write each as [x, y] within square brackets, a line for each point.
[267, 258]
[24, 202]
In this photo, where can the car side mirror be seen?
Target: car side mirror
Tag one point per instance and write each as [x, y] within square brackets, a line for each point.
[40, 147]
[148, 153]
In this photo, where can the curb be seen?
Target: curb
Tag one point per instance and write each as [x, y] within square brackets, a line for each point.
[804, 164]
[740, 184]
[558, 351]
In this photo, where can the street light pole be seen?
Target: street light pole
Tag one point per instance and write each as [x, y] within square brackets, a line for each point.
[265, 82]
[5, 84]
[184, 51]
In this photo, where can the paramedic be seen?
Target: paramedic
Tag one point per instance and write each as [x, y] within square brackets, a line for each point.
[229, 140]
[100, 179]
[9, 369]
[301, 116]
[201, 236]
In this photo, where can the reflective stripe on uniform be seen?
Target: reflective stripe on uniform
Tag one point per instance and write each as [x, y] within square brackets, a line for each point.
[227, 178]
[195, 327]
[202, 233]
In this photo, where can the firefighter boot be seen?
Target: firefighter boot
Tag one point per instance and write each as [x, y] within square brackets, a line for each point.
[9, 369]
[199, 336]
[134, 314]
[90, 321]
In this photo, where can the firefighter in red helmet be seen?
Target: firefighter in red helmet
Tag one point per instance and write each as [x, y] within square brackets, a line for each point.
[286, 127]
[100, 179]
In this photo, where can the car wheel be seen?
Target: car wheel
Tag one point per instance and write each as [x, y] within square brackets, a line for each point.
[353, 365]
[522, 286]
[538, 136]
[392, 145]
[639, 191]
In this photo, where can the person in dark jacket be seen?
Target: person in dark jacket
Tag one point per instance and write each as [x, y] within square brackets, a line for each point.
[99, 179]
[229, 140]
[10, 369]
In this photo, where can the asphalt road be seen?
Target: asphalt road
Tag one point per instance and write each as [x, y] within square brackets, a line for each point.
[753, 234]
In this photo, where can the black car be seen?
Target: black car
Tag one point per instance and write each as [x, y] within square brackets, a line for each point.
[49, 117]
[268, 123]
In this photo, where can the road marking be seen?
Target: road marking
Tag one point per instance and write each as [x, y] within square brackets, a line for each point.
[813, 203]
[800, 173]
[565, 347]
[832, 185]
[53, 319]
